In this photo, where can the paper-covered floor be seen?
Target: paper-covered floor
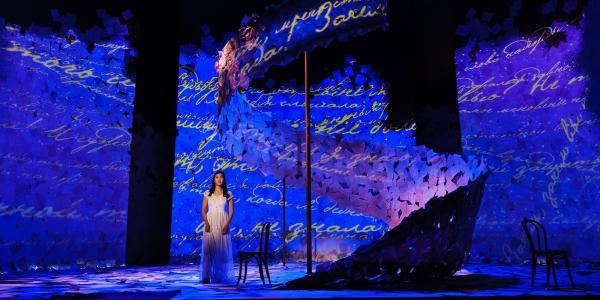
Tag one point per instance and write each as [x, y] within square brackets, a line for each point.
[182, 282]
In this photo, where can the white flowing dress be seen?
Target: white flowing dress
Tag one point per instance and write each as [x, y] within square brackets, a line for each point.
[217, 256]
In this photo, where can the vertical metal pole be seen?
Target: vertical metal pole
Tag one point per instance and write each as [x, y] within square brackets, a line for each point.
[284, 227]
[308, 192]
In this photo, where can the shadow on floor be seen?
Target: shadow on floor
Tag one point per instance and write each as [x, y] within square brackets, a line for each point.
[471, 282]
[120, 295]
[463, 283]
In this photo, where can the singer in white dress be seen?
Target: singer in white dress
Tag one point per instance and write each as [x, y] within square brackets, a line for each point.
[217, 256]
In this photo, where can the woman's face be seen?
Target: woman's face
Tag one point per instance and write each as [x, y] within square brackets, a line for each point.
[219, 179]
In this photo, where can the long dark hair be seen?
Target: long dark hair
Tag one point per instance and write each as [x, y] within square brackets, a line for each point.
[214, 186]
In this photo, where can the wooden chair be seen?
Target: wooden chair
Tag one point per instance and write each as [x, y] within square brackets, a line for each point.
[539, 248]
[261, 255]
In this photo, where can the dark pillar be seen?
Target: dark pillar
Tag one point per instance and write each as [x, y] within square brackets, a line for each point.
[153, 135]
[437, 117]
[424, 81]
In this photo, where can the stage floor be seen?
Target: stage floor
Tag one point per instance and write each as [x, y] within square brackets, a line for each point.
[182, 282]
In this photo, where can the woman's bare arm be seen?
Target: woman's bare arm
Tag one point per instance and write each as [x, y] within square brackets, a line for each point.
[204, 205]
[230, 215]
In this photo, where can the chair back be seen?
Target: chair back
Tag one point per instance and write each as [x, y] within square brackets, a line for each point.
[264, 238]
[540, 243]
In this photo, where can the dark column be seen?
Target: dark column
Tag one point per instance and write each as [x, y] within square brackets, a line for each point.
[434, 73]
[154, 131]
[422, 72]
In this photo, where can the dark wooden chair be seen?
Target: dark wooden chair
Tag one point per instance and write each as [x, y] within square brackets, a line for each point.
[539, 248]
[261, 256]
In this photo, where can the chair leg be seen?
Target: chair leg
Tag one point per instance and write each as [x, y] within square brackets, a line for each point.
[569, 271]
[240, 273]
[266, 262]
[533, 266]
[260, 270]
[246, 268]
[554, 272]
[547, 270]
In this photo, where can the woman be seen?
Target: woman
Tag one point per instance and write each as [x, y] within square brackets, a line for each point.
[217, 258]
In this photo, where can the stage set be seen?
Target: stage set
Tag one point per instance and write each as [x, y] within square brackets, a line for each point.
[372, 148]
